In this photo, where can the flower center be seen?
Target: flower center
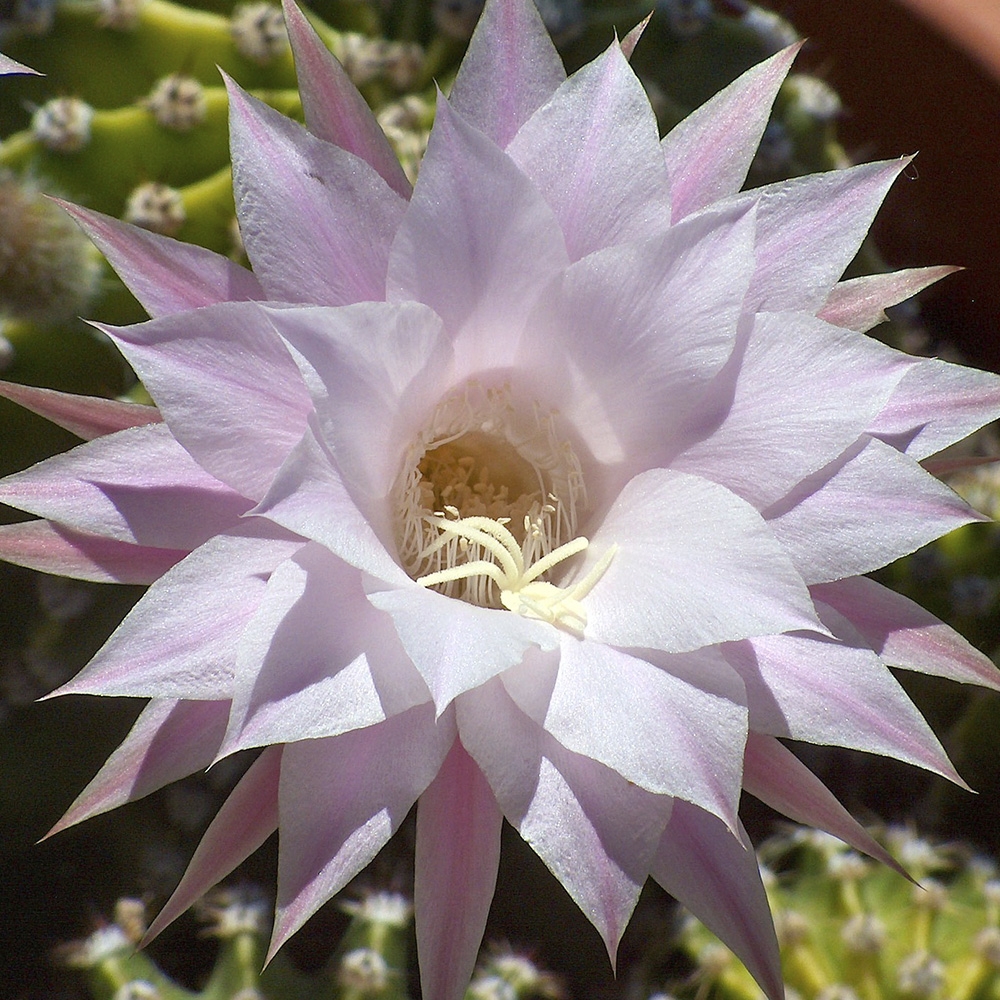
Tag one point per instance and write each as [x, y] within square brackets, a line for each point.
[487, 507]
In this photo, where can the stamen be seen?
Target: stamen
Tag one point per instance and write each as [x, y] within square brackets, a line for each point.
[487, 504]
[520, 589]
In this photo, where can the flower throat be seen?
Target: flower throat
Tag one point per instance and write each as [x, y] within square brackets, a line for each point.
[487, 506]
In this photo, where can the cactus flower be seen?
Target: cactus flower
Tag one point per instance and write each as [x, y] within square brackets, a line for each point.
[542, 489]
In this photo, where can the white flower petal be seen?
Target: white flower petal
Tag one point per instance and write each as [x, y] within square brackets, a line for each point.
[341, 798]
[457, 856]
[695, 565]
[457, 646]
[596, 832]
[317, 659]
[510, 69]
[867, 508]
[593, 152]
[496, 243]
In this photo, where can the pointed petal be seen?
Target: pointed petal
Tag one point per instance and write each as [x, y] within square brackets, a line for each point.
[87, 417]
[338, 216]
[936, 405]
[860, 303]
[170, 740]
[165, 275]
[596, 832]
[334, 109]
[138, 485]
[341, 799]
[709, 153]
[634, 334]
[631, 40]
[511, 68]
[808, 231]
[8, 65]
[716, 574]
[715, 875]
[808, 687]
[248, 817]
[496, 243]
[904, 634]
[793, 426]
[374, 371]
[867, 508]
[593, 152]
[51, 548]
[180, 640]
[308, 496]
[681, 740]
[457, 856]
[317, 659]
[773, 774]
[226, 386]
[455, 645]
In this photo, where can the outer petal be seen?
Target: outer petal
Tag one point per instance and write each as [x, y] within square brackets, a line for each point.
[804, 391]
[51, 548]
[334, 109]
[709, 153]
[248, 817]
[658, 731]
[226, 386]
[634, 334]
[695, 565]
[337, 214]
[8, 65]
[374, 371]
[457, 646]
[811, 688]
[862, 511]
[904, 634]
[170, 740]
[860, 303]
[165, 275]
[85, 416]
[510, 69]
[341, 799]
[715, 876]
[777, 777]
[809, 230]
[496, 243]
[593, 152]
[457, 856]
[317, 659]
[136, 486]
[180, 640]
[936, 405]
[596, 832]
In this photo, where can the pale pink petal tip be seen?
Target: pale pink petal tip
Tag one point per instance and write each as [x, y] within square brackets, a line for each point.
[164, 274]
[334, 109]
[709, 153]
[715, 875]
[457, 855]
[87, 417]
[247, 818]
[50, 548]
[773, 774]
[631, 40]
[509, 71]
[860, 303]
[8, 65]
